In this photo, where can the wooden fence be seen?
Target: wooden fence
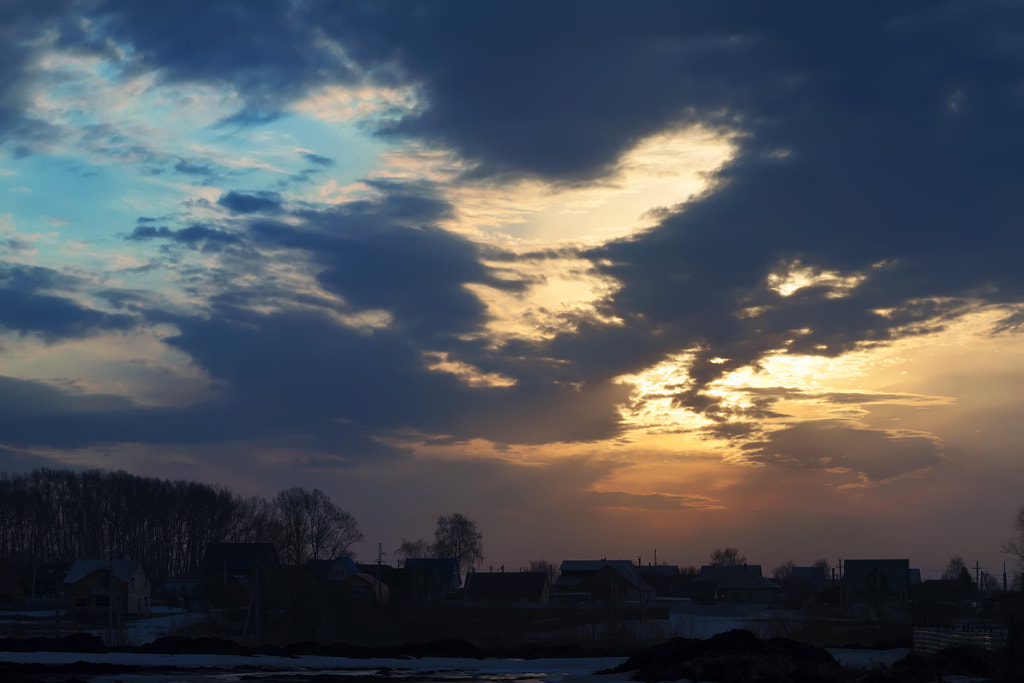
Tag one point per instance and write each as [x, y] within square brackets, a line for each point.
[928, 640]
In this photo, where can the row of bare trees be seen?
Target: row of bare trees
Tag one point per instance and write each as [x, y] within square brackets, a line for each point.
[51, 515]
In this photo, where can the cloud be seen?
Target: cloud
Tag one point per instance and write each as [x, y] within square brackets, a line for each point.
[874, 455]
[651, 501]
[269, 53]
[26, 309]
[194, 236]
[259, 202]
[318, 160]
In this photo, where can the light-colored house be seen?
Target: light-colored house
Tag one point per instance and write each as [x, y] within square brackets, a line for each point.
[107, 586]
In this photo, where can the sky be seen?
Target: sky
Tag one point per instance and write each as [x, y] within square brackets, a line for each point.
[611, 279]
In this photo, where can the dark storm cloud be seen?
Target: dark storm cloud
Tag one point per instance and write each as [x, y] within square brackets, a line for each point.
[876, 455]
[193, 236]
[318, 160]
[882, 143]
[386, 254]
[266, 50]
[24, 399]
[389, 254]
[559, 90]
[26, 308]
[20, 25]
[891, 164]
[258, 202]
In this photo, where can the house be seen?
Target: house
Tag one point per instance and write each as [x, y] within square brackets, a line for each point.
[184, 589]
[107, 587]
[332, 570]
[366, 590]
[805, 584]
[344, 578]
[602, 581]
[431, 579]
[12, 588]
[875, 582]
[233, 571]
[511, 587]
[45, 581]
[664, 578]
[736, 583]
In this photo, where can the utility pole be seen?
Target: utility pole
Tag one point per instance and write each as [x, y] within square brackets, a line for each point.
[977, 578]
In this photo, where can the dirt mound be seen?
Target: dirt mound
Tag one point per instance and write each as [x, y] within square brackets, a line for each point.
[733, 657]
[77, 642]
[176, 645]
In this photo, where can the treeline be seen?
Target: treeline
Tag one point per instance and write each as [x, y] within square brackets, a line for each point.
[60, 515]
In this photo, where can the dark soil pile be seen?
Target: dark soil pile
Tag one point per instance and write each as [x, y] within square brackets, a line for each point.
[734, 657]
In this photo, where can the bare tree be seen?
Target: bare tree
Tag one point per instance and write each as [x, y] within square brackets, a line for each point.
[1015, 546]
[727, 556]
[824, 566]
[542, 566]
[456, 536]
[409, 550]
[312, 527]
[955, 569]
[784, 571]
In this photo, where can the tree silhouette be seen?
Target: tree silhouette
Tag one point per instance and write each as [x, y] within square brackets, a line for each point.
[456, 536]
[312, 527]
[727, 556]
[1015, 546]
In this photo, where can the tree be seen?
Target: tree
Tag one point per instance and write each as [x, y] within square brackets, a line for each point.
[456, 536]
[823, 566]
[784, 571]
[312, 527]
[414, 549]
[726, 556]
[542, 566]
[1015, 546]
[955, 569]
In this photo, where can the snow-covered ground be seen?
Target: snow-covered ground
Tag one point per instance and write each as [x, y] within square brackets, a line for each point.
[141, 631]
[194, 667]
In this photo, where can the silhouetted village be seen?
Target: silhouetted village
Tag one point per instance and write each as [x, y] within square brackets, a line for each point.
[255, 592]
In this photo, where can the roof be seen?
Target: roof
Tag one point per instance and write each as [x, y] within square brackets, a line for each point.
[625, 568]
[662, 570]
[443, 565]
[122, 569]
[736, 577]
[333, 570]
[496, 585]
[895, 572]
[238, 557]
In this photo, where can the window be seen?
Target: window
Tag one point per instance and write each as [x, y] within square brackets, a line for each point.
[81, 602]
[356, 592]
[102, 601]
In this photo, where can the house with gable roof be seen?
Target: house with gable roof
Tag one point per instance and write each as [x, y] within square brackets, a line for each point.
[107, 586]
[876, 582]
[344, 578]
[430, 579]
[736, 583]
[231, 572]
[602, 581]
[511, 587]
